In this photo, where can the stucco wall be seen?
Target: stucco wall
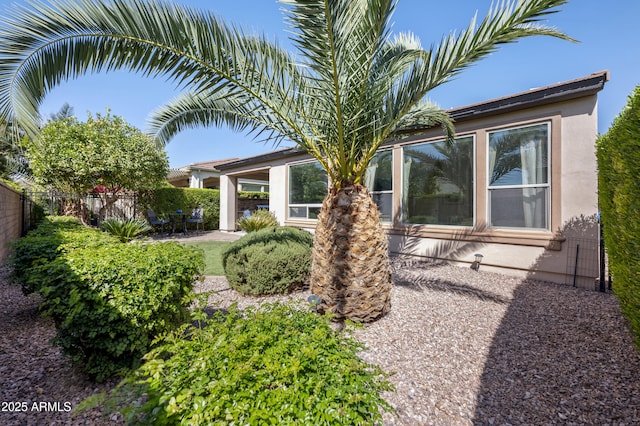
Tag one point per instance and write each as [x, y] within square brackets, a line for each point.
[579, 164]
[10, 219]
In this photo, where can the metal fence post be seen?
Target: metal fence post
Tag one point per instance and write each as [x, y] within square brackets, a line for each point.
[602, 254]
[23, 203]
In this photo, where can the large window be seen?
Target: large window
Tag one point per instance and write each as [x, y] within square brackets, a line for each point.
[379, 181]
[437, 183]
[308, 186]
[519, 177]
[307, 189]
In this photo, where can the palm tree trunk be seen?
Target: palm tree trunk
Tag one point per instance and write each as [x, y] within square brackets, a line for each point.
[350, 270]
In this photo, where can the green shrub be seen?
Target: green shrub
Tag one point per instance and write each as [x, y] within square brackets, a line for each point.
[256, 195]
[110, 302]
[618, 154]
[167, 200]
[279, 365]
[125, 229]
[258, 220]
[54, 236]
[269, 261]
[11, 184]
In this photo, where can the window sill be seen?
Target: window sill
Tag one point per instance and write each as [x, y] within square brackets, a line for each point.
[301, 223]
[535, 238]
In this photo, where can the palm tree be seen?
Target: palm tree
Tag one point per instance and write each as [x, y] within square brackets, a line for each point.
[12, 159]
[349, 87]
[65, 111]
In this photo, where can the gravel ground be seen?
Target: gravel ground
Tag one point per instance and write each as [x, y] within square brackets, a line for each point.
[465, 348]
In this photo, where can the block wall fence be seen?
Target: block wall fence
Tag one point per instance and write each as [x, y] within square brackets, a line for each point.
[10, 219]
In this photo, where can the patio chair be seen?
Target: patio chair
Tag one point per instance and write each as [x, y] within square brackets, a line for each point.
[197, 217]
[154, 221]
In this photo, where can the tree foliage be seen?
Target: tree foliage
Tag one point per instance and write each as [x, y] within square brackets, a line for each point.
[103, 154]
[6, 152]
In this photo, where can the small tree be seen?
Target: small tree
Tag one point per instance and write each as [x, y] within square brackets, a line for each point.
[104, 153]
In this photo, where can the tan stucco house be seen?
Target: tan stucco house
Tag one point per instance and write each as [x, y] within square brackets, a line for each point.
[519, 185]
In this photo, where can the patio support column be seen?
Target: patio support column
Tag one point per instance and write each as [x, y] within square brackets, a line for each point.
[196, 179]
[278, 192]
[228, 202]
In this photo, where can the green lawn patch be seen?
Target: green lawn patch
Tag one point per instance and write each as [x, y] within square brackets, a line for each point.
[212, 255]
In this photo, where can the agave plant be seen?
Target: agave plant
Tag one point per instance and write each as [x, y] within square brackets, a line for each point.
[350, 87]
[125, 229]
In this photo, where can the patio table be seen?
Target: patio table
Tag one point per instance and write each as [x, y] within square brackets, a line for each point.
[179, 219]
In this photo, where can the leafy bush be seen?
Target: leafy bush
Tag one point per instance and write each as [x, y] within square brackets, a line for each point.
[253, 194]
[260, 219]
[618, 154]
[277, 365]
[269, 261]
[110, 302]
[167, 200]
[125, 229]
[54, 236]
[11, 184]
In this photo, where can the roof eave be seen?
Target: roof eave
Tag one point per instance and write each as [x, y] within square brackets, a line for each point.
[273, 155]
[581, 87]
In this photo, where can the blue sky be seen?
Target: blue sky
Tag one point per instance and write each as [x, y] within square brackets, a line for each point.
[607, 35]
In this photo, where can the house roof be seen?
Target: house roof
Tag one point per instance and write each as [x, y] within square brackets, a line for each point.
[207, 165]
[280, 153]
[559, 92]
[564, 91]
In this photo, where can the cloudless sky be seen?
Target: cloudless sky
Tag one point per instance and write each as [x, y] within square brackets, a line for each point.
[608, 34]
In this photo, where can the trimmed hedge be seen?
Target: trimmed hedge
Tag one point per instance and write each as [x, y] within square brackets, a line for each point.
[279, 365]
[167, 200]
[274, 260]
[53, 237]
[253, 194]
[618, 154]
[108, 300]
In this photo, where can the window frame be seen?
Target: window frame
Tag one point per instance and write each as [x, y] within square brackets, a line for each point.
[548, 185]
[306, 206]
[474, 174]
[386, 191]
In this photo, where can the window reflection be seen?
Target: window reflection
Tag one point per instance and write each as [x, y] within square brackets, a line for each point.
[437, 183]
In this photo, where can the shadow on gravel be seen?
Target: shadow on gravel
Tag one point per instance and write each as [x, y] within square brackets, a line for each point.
[446, 286]
[560, 356]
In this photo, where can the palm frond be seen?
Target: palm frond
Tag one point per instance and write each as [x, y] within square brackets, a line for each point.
[217, 108]
[350, 88]
[423, 115]
[507, 22]
[414, 72]
[44, 45]
[339, 40]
